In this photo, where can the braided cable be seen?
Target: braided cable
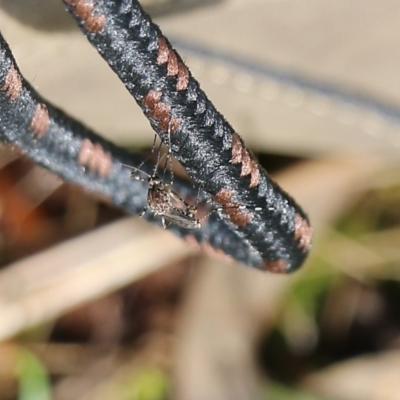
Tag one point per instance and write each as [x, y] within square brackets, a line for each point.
[64, 146]
[213, 154]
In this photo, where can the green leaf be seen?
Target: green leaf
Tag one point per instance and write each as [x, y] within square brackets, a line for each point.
[33, 378]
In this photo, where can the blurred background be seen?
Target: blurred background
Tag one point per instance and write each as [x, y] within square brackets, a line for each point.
[98, 305]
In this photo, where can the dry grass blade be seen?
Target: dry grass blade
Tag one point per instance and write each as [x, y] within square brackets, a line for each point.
[374, 377]
[47, 285]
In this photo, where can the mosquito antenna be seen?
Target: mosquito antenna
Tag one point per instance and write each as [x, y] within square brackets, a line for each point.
[135, 168]
[140, 170]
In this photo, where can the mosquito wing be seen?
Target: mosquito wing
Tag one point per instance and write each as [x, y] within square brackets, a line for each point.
[178, 202]
[181, 213]
[182, 218]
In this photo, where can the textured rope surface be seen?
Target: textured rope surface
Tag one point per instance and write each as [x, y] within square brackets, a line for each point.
[213, 154]
[64, 146]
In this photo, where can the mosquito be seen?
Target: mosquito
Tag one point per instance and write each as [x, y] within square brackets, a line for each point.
[163, 201]
[166, 203]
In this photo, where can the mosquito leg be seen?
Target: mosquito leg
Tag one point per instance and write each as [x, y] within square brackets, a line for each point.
[169, 156]
[153, 146]
[217, 210]
[158, 159]
[143, 212]
[163, 223]
[198, 196]
[138, 168]
[168, 160]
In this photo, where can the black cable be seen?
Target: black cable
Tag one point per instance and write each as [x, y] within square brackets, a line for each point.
[64, 146]
[214, 156]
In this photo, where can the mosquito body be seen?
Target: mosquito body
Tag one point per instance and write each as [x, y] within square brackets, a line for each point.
[161, 199]
[167, 204]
